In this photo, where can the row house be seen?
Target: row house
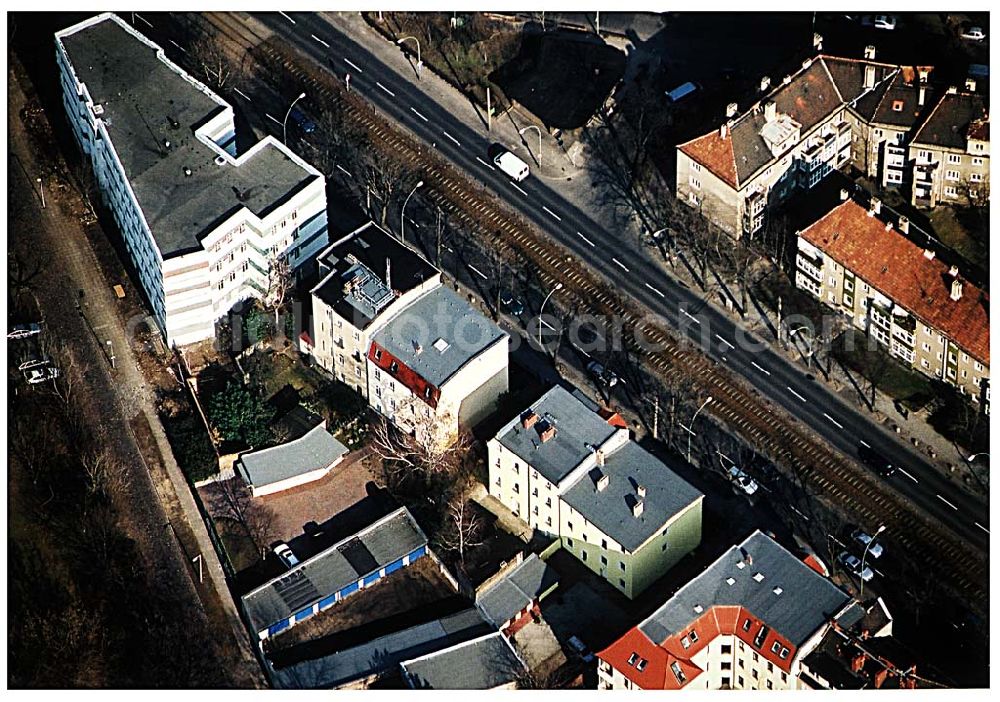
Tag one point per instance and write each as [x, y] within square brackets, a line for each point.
[861, 264]
[575, 475]
[201, 223]
[949, 156]
[746, 622]
[830, 113]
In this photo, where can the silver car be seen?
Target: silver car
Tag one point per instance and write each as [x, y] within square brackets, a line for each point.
[283, 552]
[863, 539]
[853, 566]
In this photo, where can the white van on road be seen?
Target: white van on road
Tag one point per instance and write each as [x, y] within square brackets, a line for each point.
[512, 166]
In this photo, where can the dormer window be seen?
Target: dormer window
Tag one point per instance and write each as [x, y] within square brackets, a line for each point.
[897, 105]
[694, 637]
[641, 665]
[685, 642]
[393, 367]
[775, 647]
[746, 624]
[633, 658]
[784, 653]
[675, 667]
[378, 354]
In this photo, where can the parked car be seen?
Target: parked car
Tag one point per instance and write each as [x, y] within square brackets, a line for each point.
[853, 566]
[40, 375]
[862, 539]
[283, 552]
[974, 34]
[887, 22]
[876, 461]
[512, 304]
[743, 481]
[36, 362]
[603, 374]
[23, 331]
[302, 121]
[516, 169]
[580, 649]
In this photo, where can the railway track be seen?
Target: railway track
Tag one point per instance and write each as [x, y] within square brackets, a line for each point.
[820, 469]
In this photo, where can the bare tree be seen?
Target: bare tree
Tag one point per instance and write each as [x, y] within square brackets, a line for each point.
[425, 449]
[256, 519]
[218, 67]
[106, 475]
[280, 282]
[463, 528]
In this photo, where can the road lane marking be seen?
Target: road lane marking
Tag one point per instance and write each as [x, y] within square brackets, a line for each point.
[620, 264]
[485, 164]
[982, 527]
[178, 46]
[286, 16]
[864, 443]
[653, 289]
[478, 272]
[542, 321]
[833, 421]
[320, 41]
[385, 89]
[518, 188]
[795, 393]
[344, 170]
[276, 121]
[946, 502]
[457, 143]
[551, 213]
[690, 316]
[587, 354]
[245, 96]
[414, 111]
[585, 238]
[724, 341]
[760, 368]
[796, 510]
[908, 475]
[138, 16]
[353, 65]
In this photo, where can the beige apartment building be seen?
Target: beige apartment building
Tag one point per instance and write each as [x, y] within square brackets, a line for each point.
[950, 153]
[862, 264]
[571, 473]
[830, 113]
[747, 622]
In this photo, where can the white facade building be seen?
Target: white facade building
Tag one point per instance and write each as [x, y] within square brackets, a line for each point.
[200, 223]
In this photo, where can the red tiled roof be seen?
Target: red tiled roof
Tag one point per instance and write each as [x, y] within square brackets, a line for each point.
[816, 564]
[612, 418]
[404, 374]
[896, 267]
[714, 153]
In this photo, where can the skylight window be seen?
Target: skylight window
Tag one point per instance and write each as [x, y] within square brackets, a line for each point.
[897, 105]
[778, 591]
[730, 581]
[685, 642]
[441, 345]
[741, 565]
[758, 577]
[678, 673]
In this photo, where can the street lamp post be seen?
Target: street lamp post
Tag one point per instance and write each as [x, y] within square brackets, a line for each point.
[691, 428]
[284, 123]
[541, 310]
[532, 126]
[865, 555]
[41, 191]
[419, 62]
[402, 212]
[792, 332]
[974, 456]
[111, 354]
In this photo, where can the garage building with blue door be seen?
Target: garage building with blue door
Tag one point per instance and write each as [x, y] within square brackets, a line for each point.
[319, 582]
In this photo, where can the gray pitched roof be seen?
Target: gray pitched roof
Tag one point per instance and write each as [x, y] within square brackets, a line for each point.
[577, 429]
[807, 599]
[447, 330]
[610, 509]
[532, 579]
[948, 124]
[374, 547]
[383, 653]
[140, 95]
[480, 664]
[315, 450]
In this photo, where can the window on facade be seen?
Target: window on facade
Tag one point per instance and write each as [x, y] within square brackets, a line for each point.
[977, 161]
[952, 174]
[727, 649]
[685, 642]
[976, 177]
[517, 487]
[770, 685]
[535, 510]
[727, 665]
[622, 566]
[784, 677]
[604, 544]
[740, 679]
[548, 521]
[754, 674]
[954, 158]
[951, 191]
[583, 556]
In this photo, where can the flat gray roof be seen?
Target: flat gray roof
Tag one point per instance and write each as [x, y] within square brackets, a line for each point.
[329, 571]
[610, 509]
[447, 330]
[578, 428]
[807, 600]
[381, 654]
[315, 450]
[480, 664]
[141, 95]
[532, 579]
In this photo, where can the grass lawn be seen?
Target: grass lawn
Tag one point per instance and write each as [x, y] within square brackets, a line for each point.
[240, 549]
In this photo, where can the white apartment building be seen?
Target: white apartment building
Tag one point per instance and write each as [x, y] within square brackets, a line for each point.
[200, 222]
[366, 278]
[745, 622]
[569, 472]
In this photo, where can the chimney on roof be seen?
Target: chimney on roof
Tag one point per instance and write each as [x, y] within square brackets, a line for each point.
[880, 677]
[770, 111]
[845, 195]
[922, 95]
[953, 271]
[929, 254]
[640, 490]
[858, 663]
[952, 90]
[807, 63]
[786, 80]
[875, 207]
[923, 73]
[602, 482]
[817, 41]
[870, 52]
[417, 348]
[869, 76]
[723, 130]
[528, 419]
[765, 83]
[599, 455]
[548, 432]
[904, 224]
[731, 109]
[888, 226]
[970, 85]
[956, 289]
[187, 171]
[637, 509]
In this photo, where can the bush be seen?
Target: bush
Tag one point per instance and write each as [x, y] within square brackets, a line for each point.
[191, 446]
[240, 414]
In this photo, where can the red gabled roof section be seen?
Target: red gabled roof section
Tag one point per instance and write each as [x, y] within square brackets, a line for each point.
[416, 384]
[714, 152]
[612, 418]
[816, 564]
[306, 338]
[653, 675]
[896, 267]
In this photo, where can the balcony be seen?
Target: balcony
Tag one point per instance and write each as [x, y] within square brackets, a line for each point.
[811, 267]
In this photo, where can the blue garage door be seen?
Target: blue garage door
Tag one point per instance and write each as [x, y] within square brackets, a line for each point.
[304, 614]
[327, 602]
[394, 566]
[275, 628]
[353, 587]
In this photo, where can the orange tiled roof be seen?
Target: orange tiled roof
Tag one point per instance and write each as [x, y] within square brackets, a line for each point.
[714, 153]
[896, 267]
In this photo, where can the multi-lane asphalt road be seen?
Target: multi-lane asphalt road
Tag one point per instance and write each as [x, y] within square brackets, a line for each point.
[395, 93]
